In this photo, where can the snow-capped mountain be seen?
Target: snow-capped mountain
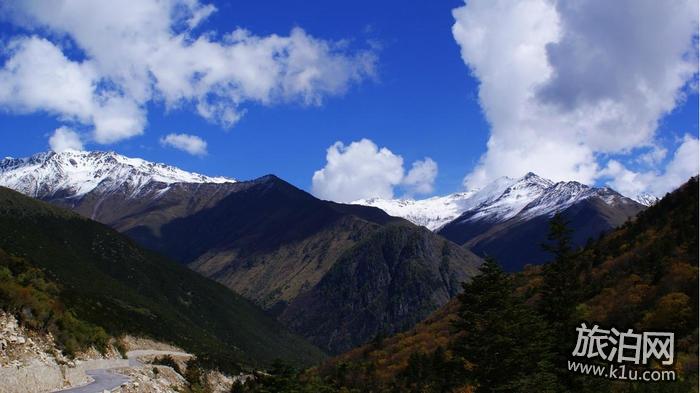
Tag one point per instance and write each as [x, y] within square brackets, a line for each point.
[646, 199]
[76, 173]
[526, 197]
[431, 213]
[512, 225]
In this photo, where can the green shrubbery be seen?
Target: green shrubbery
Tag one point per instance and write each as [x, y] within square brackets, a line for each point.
[26, 293]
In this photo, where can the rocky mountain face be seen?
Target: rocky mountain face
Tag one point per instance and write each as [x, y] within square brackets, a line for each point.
[267, 240]
[512, 226]
[382, 284]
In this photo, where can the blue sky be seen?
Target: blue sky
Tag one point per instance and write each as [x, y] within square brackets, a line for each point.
[419, 101]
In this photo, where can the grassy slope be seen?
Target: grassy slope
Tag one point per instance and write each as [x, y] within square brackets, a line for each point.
[109, 281]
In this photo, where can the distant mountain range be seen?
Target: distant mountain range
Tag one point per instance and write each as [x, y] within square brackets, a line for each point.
[73, 174]
[337, 274]
[508, 219]
[504, 197]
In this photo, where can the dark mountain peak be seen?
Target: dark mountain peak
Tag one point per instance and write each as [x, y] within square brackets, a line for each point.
[267, 178]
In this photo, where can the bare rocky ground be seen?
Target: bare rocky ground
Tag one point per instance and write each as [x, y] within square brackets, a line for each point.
[31, 363]
[152, 379]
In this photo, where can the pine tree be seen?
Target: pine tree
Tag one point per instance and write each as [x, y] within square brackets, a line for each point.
[505, 344]
[559, 294]
[560, 287]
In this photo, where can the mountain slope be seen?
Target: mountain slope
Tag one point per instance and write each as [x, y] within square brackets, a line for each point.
[290, 252]
[384, 284]
[642, 275]
[109, 281]
[272, 243]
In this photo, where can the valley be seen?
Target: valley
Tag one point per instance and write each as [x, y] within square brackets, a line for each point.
[246, 272]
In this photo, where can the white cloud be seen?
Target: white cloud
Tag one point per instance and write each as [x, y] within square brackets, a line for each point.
[38, 77]
[140, 51]
[63, 139]
[421, 177]
[562, 83]
[191, 144]
[682, 166]
[653, 156]
[363, 170]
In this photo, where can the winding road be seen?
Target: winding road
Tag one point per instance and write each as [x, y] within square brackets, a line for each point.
[108, 379]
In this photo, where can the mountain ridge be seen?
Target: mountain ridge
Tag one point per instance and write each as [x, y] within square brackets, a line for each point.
[502, 199]
[277, 245]
[76, 173]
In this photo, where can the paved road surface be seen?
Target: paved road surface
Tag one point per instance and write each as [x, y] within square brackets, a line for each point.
[103, 380]
[107, 379]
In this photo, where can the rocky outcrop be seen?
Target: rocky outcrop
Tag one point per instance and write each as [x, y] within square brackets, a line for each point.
[383, 285]
[153, 379]
[31, 363]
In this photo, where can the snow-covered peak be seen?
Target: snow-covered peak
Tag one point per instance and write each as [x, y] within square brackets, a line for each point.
[431, 213]
[646, 199]
[435, 212]
[506, 204]
[500, 200]
[74, 173]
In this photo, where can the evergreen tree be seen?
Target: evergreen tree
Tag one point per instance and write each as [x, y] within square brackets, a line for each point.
[560, 280]
[505, 344]
[559, 293]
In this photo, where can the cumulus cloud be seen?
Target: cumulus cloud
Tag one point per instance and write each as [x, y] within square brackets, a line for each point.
[565, 84]
[191, 144]
[63, 139]
[141, 51]
[682, 166]
[38, 77]
[421, 177]
[363, 170]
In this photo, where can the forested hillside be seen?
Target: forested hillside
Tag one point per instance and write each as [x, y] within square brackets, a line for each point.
[641, 276]
[106, 280]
